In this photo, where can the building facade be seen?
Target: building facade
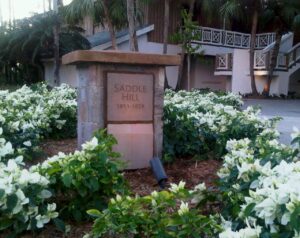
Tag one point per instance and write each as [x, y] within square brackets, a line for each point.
[222, 61]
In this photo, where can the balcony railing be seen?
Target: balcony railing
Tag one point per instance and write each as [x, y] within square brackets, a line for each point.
[293, 55]
[219, 37]
[262, 60]
[224, 62]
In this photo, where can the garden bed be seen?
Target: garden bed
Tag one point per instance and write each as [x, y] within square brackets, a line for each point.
[84, 189]
[141, 181]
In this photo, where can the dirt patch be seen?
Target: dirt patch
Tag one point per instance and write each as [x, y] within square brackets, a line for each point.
[142, 181]
[52, 147]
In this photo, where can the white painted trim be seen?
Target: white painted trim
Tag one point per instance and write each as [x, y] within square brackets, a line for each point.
[294, 47]
[221, 73]
[283, 39]
[125, 38]
[262, 73]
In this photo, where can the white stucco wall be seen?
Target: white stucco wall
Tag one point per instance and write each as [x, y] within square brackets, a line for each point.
[214, 50]
[68, 74]
[240, 80]
[156, 48]
[202, 74]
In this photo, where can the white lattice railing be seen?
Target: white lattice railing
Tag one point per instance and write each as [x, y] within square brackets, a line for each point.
[224, 62]
[284, 60]
[264, 39]
[261, 60]
[213, 36]
[293, 55]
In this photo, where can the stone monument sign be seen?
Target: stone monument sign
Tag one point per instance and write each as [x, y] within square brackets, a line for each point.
[129, 99]
[122, 92]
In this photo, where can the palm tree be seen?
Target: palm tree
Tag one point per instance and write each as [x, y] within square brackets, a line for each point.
[56, 31]
[10, 13]
[33, 39]
[49, 5]
[111, 28]
[238, 9]
[132, 24]
[109, 12]
[1, 17]
[166, 26]
[187, 33]
[284, 14]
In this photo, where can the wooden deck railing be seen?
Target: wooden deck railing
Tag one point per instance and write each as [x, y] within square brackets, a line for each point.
[219, 37]
[262, 60]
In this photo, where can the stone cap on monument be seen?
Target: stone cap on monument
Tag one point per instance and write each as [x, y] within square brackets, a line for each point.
[120, 57]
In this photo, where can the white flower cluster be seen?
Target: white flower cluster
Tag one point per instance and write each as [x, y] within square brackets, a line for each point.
[23, 194]
[228, 98]
[5, 147]
[272, 171]
[248, 232]
[276, 194]
[28, 114]
[219, 114]
[62, 159]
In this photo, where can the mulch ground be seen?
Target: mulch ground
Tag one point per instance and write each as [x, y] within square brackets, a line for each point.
[141, 181]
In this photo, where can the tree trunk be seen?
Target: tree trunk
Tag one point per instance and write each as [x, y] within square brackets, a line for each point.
[49, 5]
[252, 51]
[10, 14]
[56, 30]
[131, 25]
[1, 16]
[166, 35]
[166, 26]
[181, 66]
[273, 62]
[44, 6]
[135, 38]
[189, 72]
[110, 26]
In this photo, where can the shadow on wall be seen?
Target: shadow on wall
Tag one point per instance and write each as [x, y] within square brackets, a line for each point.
[202, 74]
[294, 84]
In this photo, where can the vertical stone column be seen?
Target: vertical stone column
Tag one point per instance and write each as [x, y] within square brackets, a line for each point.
[158, 111]
[90, 101]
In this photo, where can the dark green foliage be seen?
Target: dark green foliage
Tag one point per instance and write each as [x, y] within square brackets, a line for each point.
[28, 41]
[200, 123]
[157, 216]
[86, 179]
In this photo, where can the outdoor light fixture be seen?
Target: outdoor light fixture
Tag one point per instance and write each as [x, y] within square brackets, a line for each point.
[159, 172]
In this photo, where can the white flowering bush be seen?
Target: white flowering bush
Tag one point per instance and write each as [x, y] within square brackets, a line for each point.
[260, 184]
[23, 199]
[5, 147]
[197, 123]
[85, 179]
[161, 214]
[247, 232]
[28, 114]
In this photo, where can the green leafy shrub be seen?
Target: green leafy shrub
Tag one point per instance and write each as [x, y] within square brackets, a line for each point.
[85, 179]
[204, 122]
[23, 199]
[162, 214]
